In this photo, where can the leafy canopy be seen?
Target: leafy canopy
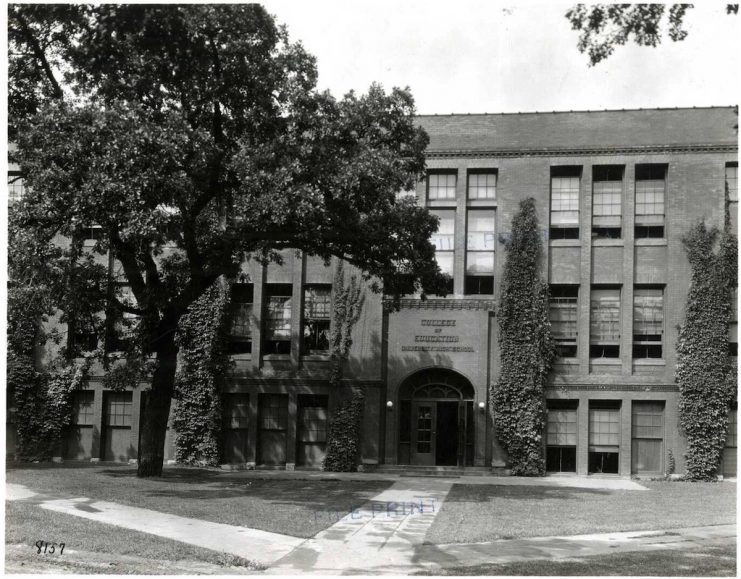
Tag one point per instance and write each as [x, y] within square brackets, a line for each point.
[195, 135]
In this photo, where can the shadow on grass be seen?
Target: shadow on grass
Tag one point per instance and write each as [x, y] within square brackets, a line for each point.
[461, 493]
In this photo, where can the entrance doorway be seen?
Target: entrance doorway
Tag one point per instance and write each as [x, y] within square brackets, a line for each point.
[436, 420]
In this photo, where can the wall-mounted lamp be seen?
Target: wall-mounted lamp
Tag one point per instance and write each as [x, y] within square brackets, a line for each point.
[390, 405]
[482, 406]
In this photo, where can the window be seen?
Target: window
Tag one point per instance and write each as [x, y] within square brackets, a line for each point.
[604, 437]
[647, 432]
[648, 322]
[118, 409]
[240, 327]
[565, 183]
[444, 242]
[607, 193]
[273, 411]
[312, 418]
[480, 252]
[441, 186]
[650, 193]
[563, 315]
[16, 188]
[91, 232]
[237, 411]
[278, 318]
[733, 326]
[732, 436]
[84, 338]
[604, 336]
[82, 408]
[561, 436]
[732, 181]
[317, 309]
[482, 185]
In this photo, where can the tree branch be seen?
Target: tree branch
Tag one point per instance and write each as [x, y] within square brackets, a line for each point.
[40, 55]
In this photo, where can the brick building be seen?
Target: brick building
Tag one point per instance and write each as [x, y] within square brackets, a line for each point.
[615, 191]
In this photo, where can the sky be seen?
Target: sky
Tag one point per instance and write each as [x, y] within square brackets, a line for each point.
[474, 57]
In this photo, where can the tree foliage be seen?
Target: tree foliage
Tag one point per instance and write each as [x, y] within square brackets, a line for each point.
[604, 27]
[526, 346]
[705, 373]
[195, 136]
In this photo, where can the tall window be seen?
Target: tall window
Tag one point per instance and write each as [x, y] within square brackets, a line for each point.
[16, 188]
[444, 242]
[563, 308]
[482, 185]
[240, 327]
[441, 186]
[607, 194]
[648, 322]
[650, 194]
[565, 202]
[82, 408]
[732, 181]
[317, 309]
[278, 318]
[480, 252]
[604, 336]
[604, 437]
[733, 325]
[647, 433]
[561, 436]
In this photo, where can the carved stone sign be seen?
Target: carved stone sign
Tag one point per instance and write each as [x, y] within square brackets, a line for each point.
[437, 327]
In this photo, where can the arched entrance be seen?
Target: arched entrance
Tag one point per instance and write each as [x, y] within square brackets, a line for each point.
[436, 420]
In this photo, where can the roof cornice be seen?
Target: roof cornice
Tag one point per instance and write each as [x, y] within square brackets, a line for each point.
[640, 150]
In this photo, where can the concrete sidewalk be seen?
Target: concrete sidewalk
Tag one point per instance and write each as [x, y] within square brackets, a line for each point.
[252, 544]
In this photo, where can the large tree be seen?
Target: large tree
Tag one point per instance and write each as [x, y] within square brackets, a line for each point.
[195, 137]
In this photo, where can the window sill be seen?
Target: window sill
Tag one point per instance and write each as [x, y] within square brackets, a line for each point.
[315, 357]
[564, 243]
[605, 361]
[603, 242]
[240, 357]
[650, 241]
[441, 202]
[566, 361]
[276, 357]
[481, 203]
[649, 361]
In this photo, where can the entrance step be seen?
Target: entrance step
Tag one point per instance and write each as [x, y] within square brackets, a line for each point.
[436, 471]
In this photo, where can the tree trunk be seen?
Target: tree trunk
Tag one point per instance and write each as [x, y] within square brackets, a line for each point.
[156, 411]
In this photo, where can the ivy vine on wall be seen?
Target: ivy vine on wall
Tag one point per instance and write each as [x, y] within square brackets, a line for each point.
[343, 438]
[203, 366]
[526, 347]
[705, 372]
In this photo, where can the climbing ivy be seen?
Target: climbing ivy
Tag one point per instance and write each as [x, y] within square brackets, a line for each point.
[526, 346]
[203, 366]
[343, 439]
[43, 404]
[705, 372]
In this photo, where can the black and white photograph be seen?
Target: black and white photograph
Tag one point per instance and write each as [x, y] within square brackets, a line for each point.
[370, 288]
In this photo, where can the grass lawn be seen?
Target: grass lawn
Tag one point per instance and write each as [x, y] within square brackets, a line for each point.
[711, 561]
[477, 513]
[92, 547]
[300, 508]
